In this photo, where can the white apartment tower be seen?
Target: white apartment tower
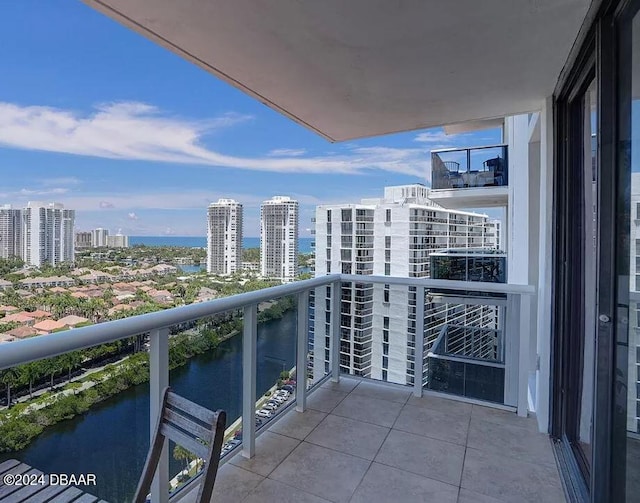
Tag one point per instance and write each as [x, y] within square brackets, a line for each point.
[99, 237]
[392, 236]
[47, 234]
[10, 232]
[279, 238]
[224, 237]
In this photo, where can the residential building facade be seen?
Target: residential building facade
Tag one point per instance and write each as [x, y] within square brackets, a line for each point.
[99, 237]
[279, 238]
[84, 240]
[118, 241]
[47, 234]
[391, 236]
[224, 237]
[10, 232]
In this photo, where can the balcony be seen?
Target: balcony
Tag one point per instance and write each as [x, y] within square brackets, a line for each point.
[470, 177]
[338, 437]
[364, 441]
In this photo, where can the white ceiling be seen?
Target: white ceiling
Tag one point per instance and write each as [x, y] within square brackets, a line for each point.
[355, 68]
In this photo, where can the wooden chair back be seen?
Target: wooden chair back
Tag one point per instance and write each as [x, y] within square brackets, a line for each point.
[195, 428]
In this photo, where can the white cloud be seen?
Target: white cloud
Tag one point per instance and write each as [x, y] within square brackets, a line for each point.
[43, 192]
[138, 131]
[60, 181]
[132, 216]
[106, 204]
[287, 152]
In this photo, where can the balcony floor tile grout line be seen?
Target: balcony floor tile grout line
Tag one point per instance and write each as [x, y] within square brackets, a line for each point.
[415, 474]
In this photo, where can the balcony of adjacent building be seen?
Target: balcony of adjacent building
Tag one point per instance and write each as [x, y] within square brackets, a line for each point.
[441, 436]
[470, 177]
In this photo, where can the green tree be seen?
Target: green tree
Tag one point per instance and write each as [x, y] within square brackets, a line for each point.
[182, 454]
[30, 373]
[10, 377]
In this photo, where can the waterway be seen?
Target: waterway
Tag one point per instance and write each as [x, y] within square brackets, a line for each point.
[112, 439]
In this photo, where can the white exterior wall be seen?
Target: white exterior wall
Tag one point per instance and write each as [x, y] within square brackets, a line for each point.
[47, 234]
[279, 238]
[99, 237]
[435, 227]
[224, 237]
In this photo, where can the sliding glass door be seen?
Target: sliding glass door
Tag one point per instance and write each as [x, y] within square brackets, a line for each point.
[576, 273]
[626, 408]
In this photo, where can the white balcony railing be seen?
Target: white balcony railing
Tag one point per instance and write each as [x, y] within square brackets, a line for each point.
[441, 302]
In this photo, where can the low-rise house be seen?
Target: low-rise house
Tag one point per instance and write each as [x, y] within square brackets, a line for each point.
[23, 319]
[58, 289]
[48, 326]
[44, 282]
[120, 307]
[161, 296]
[38, 314]
[4, 338]
[4, 284]
[23, 332]
[9, 309]
[72, 320]
[80, 295]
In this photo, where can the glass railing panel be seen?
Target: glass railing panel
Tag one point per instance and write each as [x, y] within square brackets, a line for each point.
[465, 341]
[320, 334]
[82, 412]
[465, 168]
[205, 361]
[276, 378]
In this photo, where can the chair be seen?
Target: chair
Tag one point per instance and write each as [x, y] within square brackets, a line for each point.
[195, 428]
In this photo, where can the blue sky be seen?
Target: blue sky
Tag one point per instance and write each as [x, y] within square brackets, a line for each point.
[135, 138]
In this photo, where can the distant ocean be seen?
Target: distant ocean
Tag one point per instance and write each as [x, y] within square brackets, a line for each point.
[304, 244]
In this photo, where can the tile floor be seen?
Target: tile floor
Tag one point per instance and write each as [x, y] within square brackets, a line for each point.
[363, 442]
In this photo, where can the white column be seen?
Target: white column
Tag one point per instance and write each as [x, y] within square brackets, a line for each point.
[158, 381]
[544, 306]
[303, 344]
[418, 366]
[336, 294]
[249, 339]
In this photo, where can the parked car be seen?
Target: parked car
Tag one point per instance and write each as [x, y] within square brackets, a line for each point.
[270, 406]
[258, 422]
[274, 402]
[264, 413]
[287, 387]
[280, 399]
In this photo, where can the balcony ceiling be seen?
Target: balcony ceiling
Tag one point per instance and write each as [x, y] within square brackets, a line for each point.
[370, 67]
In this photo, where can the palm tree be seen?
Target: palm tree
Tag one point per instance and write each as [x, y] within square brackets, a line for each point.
[71, 361]
[30, 373]
[182, 454]
[51, 367]
[9, 378]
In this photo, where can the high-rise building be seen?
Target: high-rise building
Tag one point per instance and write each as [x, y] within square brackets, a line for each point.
[224, 237]
[392, 236]
[47, 234]
[99, 237]
[84, 240]
[279, 238]
[10, 232]
[118, 241]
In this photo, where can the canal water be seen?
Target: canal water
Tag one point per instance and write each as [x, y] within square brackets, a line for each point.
[112, 439]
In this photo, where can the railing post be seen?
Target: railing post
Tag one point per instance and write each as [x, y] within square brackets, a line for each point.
[158, 381]
[418, 358]
[303, 346]
[336, 294]
[249, 370]
[511, 337]
[524, 313]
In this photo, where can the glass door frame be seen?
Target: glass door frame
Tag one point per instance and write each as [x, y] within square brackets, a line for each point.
[599, 52]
